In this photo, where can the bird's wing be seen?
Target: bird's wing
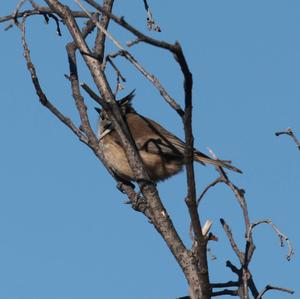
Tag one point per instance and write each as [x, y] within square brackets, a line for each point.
[152, 137]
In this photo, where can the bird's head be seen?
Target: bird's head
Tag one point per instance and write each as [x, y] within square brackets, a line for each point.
[125, 107]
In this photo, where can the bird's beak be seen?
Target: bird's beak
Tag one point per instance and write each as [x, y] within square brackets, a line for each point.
[107, 131]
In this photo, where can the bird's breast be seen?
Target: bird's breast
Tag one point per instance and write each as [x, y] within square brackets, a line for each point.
[116, 159]
[158, 165]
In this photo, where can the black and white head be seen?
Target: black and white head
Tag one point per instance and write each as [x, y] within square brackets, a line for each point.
[104, 123]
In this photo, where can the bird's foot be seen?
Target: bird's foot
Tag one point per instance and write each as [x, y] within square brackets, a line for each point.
[123, 185]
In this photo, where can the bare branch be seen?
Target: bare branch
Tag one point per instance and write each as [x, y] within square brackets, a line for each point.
[38, 11]
[92, 94]
[233, 244]
[225, 292]
[283, 238]
[142, 37]
[290, 132]
[190, 174]
[42, 97]
[225, 284]
[239, 193]
[233, 268]
[212, 184]
[150, 21]
[218, 180]
[154, 81]
[133, 42]
[14, 15]
[79, 101]
[270, 287]
[100, 27]
[99, 47]
[45, 102]
[245, 277]
[18, 7]
[118, 72]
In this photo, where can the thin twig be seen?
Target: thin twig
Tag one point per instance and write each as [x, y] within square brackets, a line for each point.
[144, 38]
[91, 93]
[154, 81]
[191, 200]
[225, 284]
[150, 21]
[290, 132]
[118, 72]
[100, 39]
[225, 292]
[33, 4]
[239, 193]
[218, 180]
[14, 19]
[233, 268]
[132, 42]
[283, 238]
[42, 97]
[38, 11]
[270, 287]
[79, 100]
[18, 7]
[117, 44]
[232, 242]
[212, 184]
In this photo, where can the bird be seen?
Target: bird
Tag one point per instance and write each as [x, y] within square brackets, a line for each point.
[161, 151]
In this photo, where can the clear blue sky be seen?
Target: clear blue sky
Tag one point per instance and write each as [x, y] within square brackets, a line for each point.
[64, 230]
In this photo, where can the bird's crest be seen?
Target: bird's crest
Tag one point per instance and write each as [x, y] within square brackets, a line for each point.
[127, 99]
[124, 102]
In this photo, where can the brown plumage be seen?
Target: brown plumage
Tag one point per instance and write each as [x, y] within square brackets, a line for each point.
[161, 151]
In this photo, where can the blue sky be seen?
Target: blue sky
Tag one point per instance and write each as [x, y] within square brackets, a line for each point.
[64, 230]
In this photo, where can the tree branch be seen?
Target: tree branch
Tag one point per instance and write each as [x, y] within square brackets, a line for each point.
[225, 284]
[233, 244]
[154, 81]
[283, 238]
[79, 101]
[270, 287]
[209, 186]
[142, 37]
[225, 292]
[38, 11]
[99, 47]
[190, 175]
[290, 133]
[42, 97]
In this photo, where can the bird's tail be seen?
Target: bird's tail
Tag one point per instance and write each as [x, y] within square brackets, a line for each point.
[201, 158]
